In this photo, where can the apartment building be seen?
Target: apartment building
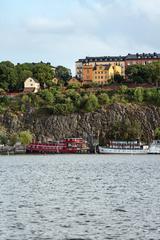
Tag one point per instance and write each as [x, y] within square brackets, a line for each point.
[103, 73]
[132, 59]
[121, 62]
[100, 74]
[113, 61]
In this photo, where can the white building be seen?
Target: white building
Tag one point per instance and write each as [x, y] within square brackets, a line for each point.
[31, 85]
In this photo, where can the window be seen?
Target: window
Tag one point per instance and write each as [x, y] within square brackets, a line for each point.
[101, 77]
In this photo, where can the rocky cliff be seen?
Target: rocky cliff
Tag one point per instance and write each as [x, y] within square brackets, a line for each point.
[99, 123]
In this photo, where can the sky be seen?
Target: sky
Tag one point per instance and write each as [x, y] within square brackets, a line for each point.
[63, 31]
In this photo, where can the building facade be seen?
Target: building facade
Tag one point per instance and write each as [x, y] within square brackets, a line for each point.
[103, 73]
[87, 73]
[100, 74]
[119, 63]
[132, 59]
[31, 85]
[113, 61]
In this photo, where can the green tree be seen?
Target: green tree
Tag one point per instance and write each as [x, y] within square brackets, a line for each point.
[25, 103]
[63, 74]
[13, 139]
[90, 103]
[8, 75]
[139, 94]
[139, 73]
[3, 137]
[75, 97]
[118, 78]
[157, 133]
[47, 95]
[25, 137]
[155, 73]
[44, 74]
[125, 130]
[103, 99]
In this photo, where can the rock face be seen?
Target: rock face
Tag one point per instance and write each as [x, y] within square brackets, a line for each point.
[87, 125]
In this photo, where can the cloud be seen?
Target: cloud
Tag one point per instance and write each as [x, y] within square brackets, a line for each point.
[64, 31]
[151, 9]
[51, 26]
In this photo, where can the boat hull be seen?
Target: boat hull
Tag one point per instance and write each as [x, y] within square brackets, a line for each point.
[155, 147]
[105, 150]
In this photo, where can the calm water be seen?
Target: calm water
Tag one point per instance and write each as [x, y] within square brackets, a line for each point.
[76, 197]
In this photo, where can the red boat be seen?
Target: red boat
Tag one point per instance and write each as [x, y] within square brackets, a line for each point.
[67, 145]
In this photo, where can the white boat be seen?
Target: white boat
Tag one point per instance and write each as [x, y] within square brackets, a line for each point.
[154, 148]
[124, 147]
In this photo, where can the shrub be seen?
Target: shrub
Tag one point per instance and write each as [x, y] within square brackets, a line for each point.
[103, 99]
[25, 137]
[139, 94]
[90, 103]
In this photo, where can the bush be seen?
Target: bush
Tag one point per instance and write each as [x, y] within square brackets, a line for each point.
[103, 99]
[90, 103]
[139, 94]
[13, 139]
[3, 137]
[117, 98]
[25, 137]
[157, 133]
[47, 95]
[63, 108]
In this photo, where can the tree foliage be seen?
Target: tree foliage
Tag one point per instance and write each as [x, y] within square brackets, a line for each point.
[25, 137]
[149, 73]
[125, 130]
[103, 99]
[12, 76]
[90, 103]
[63, 74]
[157, 133]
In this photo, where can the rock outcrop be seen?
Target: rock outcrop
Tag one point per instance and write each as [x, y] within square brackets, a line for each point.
[87, 125]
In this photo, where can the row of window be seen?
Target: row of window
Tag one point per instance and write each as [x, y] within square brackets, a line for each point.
[101, 77]
[134, 62]
[99, 72]
[104, 59]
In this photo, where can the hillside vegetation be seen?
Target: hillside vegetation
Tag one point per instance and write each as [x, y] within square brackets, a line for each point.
[129, 112]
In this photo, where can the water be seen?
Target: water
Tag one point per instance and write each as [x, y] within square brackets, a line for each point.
[79, 197]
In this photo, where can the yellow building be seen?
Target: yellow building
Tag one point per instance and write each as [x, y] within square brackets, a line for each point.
[105, 60]
[103, 73]
[117, 70]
